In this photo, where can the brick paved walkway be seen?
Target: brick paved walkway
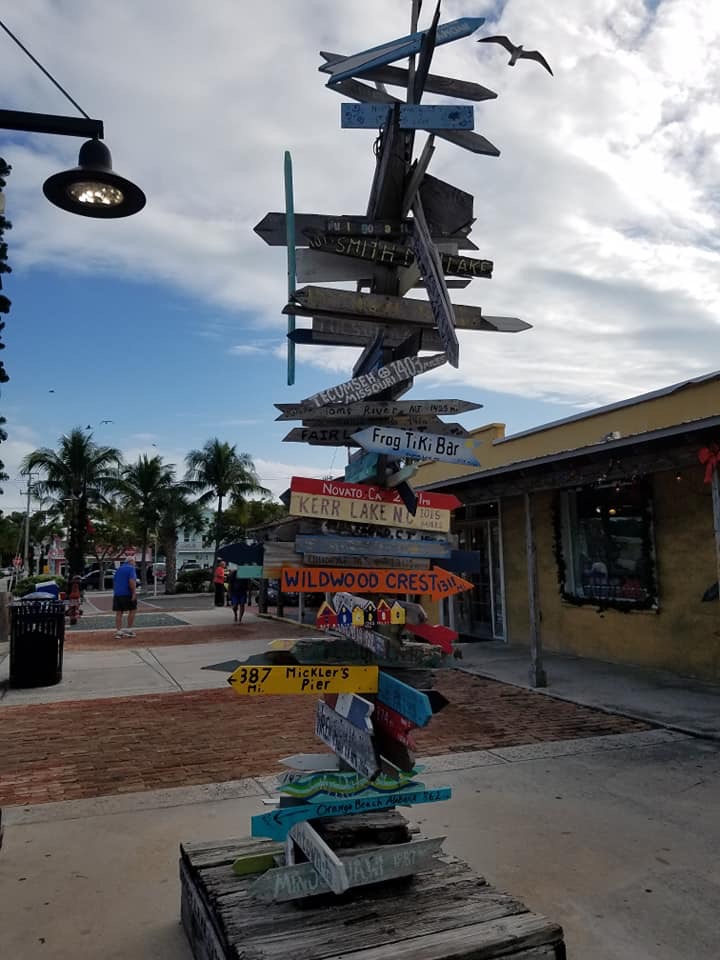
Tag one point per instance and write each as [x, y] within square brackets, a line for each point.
[71, 750]
[258, 629]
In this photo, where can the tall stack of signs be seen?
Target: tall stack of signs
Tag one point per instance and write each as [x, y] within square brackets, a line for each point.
[369, 542]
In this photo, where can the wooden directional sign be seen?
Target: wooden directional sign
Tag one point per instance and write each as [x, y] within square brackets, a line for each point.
[401, 563]
[362, 227]
[431, 424]
[462, 138]
[372, 546]
[388, 376]
[437, 635]
[276, 823]
[272, 228]
[366, 866]
[353, 707]
[435, 583]
[321, 266]
[386, 253]
[370, 493]
[326, 863]
[436, 116]
[339, 783]
[394, 724]
[364, 468]
[258, 681]
[377, 410]
[376, 308]
[423, 446]
[347, 332]
[330, 436]
[398, 77]
[431, 269]
[364, 511]
[359, 63]
[351, 744]
[410, 703]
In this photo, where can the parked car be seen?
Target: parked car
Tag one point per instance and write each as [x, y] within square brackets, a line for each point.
[189, 565]
[91, 581]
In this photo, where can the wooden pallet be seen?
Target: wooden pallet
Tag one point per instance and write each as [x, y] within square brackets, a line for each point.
[445, 911]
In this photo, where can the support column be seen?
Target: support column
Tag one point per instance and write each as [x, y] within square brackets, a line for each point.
[537, 675]
[715, 489]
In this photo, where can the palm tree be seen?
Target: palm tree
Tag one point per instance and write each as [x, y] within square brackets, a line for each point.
[145, 485]
[78, 473]
[178, 511]
[221, 471]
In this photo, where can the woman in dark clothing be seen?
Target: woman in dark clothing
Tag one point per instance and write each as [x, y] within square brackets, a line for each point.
[219, 582]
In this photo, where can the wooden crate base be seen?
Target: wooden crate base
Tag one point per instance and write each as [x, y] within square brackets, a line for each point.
[444, 912]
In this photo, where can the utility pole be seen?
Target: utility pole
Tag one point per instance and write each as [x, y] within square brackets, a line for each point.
[26, 555]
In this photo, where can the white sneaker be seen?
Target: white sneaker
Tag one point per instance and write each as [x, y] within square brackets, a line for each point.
[129, 633]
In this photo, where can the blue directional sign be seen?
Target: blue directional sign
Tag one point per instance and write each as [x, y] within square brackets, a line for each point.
[277, 823]
[364, 468]
[359, 63]
[410, 703]
[435, 116]
[372, 546]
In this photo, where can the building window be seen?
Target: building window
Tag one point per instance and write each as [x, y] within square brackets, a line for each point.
[605, 547]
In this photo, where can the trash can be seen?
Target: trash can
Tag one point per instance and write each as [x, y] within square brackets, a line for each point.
[37, 635]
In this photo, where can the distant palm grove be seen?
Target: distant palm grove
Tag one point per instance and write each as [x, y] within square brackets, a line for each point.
[103, 506]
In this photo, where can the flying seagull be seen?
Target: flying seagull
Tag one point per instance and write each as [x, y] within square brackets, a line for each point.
[517, 53]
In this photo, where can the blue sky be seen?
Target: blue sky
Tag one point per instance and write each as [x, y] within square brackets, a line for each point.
[601, 215]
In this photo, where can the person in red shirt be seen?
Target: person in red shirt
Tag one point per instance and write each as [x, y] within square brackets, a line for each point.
[219, 582]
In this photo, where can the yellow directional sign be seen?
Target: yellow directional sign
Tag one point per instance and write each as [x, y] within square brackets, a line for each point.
[255, 681]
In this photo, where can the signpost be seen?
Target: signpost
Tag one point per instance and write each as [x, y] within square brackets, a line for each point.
[351, 744]
[368, 383]
[372, 116]
[422, 446]
[260, 681]
[431, 268]
[331, 436]
[436, 583]
[410, 703]
[378, 513]
[394, 724]
[326, 863]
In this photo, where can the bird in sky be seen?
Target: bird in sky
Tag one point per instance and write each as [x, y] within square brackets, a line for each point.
[517, 52]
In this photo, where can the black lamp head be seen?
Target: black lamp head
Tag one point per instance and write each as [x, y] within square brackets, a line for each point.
[92, 189]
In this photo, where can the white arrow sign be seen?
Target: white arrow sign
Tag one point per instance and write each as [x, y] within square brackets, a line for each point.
[423, 446]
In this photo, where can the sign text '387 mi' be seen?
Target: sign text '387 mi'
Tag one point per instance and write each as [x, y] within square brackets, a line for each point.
[365, 511]
[259, 680]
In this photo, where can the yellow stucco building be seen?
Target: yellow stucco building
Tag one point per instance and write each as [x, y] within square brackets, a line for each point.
[597, 535]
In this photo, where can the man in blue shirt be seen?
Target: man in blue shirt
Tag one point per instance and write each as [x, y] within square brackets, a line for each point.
[125, 597]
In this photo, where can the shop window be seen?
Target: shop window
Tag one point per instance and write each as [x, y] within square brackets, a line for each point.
[605, 547]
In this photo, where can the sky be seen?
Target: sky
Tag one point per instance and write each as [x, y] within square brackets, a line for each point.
[601, 214]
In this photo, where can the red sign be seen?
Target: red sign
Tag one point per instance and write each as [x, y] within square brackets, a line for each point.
[364, 491]
[394, 724]
[439, 636]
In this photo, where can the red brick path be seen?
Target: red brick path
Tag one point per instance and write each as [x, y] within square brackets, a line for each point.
[70, 750]
[258, 629]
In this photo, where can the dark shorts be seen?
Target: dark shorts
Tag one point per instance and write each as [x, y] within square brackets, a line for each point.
[238, 597]
[124, 603]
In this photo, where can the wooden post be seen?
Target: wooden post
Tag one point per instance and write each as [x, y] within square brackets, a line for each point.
[715, 488]
[537, 675]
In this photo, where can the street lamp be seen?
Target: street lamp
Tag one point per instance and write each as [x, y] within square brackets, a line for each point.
[92, 189]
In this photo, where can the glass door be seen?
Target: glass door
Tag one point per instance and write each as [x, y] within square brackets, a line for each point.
[480, 612]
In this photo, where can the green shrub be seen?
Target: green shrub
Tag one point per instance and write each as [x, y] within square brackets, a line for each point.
[28, 584]
[193, 580]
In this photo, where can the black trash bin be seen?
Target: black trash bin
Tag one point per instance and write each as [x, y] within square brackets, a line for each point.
[37, 635]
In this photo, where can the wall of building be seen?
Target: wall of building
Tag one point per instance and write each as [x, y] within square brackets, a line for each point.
[683, 636]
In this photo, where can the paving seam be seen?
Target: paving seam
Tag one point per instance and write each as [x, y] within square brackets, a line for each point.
[156, 666]
[263, 786]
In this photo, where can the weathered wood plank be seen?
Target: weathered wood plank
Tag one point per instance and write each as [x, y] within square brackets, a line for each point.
[435, 116]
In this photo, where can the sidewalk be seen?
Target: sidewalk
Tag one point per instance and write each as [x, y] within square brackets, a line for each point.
[657, 696]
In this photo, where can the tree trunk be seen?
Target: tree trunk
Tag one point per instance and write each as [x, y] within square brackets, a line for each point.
[218, 521]
[170, 546]
[143, 560]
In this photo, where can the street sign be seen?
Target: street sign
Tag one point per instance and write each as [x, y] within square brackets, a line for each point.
[259, 681]
[436, 583]
[386, 253]
[351, 744]
[363, 227]
[473, 142]
[377, 308]
[377, 410]
[422, 446]
[359, 63]
[402, 563]
[339, 783]
[431, 269]
[435, 116]
[372, 546]
[364, 866]
[379, 513]
[394, 724]
[431, 424]
[273, 229]
[348, 332]
[321, 266]
[331, 436]
[276, 823]
[325, 861]
[410, 703]
[368, 383]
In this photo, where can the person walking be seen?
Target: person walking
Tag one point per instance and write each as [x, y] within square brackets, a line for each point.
[238, 595]
[219, 582]
[125, 597]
